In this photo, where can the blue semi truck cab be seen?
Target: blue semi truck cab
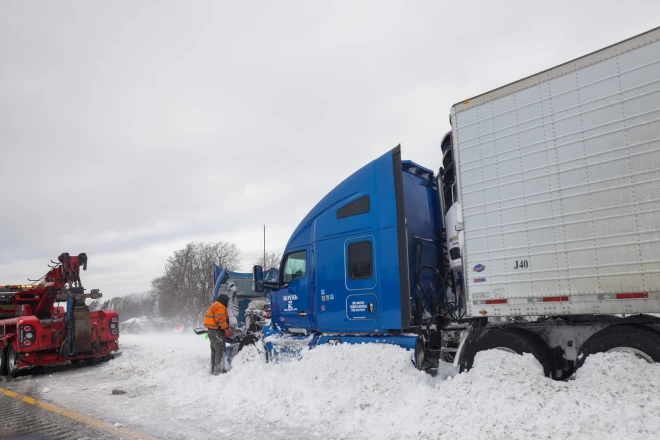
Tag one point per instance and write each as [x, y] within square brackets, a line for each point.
[364, 264]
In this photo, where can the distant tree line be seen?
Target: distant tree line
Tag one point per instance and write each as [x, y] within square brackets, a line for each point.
[183, 293]
[130, 306]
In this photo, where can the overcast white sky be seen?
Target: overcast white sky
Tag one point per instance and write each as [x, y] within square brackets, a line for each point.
[129, 128]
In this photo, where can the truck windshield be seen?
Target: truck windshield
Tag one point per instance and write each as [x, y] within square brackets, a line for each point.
[294, 267]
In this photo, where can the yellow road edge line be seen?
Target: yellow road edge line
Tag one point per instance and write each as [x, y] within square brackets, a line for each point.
[73, 415]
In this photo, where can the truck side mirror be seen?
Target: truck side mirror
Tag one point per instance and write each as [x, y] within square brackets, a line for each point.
[258, 279]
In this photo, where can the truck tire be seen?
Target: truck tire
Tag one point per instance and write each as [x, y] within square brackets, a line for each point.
[12, 370]
[3, 362]
[247, 340]
[253, 339]
[419, 354]
[636, 339]
[512, 340]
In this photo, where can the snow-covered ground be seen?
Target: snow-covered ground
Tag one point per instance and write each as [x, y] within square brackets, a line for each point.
[354, 392]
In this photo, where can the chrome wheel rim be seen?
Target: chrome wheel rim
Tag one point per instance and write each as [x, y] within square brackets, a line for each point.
[640, 354]
[11, 360]
[419, 359]
[508, 350]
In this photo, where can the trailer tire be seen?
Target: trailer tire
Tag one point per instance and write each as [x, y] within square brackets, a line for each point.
[3, 362]
[637, 339]
[513, 340]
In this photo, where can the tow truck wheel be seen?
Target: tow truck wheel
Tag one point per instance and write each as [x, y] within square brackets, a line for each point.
[641, 341]
[12, 369]
[512, 340]
[3, 362]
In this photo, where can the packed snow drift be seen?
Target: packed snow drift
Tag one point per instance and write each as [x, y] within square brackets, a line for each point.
[355, 392]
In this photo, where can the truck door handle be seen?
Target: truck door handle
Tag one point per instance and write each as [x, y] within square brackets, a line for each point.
[302, 313]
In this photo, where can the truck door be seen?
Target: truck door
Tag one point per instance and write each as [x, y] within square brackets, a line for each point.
[292, 301]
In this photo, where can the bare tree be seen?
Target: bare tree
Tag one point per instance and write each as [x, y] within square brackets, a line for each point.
[272, 260]
[184, 290]
[227, 255]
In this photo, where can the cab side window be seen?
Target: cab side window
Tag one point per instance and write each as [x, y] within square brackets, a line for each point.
[295, 266]
[360, 260]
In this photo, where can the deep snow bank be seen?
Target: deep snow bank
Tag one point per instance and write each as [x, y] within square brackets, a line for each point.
[359, 392]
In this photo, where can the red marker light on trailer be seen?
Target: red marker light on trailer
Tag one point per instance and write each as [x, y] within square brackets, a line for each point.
[497, 301]
[637, 295]
[555, 298]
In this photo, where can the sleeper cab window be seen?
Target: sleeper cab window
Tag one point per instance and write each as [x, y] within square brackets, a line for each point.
[356, 207]
[360, 260]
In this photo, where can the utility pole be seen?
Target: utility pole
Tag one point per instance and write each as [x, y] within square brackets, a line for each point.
[264, 264]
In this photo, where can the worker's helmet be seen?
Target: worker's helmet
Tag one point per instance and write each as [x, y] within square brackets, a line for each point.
[223, 299]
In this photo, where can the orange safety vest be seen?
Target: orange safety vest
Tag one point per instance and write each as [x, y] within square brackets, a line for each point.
[216, 317]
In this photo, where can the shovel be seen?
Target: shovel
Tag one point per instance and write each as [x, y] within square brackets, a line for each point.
[201, 331]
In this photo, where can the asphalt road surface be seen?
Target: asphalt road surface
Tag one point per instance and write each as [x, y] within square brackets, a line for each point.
[24, 418]
[19, 417]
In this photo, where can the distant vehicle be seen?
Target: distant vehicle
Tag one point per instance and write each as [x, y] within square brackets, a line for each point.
[540, 234]
[178, 328]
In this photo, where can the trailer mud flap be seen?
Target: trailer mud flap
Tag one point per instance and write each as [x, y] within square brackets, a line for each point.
[469, 337]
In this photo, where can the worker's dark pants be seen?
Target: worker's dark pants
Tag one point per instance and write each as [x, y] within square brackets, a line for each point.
[218, 351]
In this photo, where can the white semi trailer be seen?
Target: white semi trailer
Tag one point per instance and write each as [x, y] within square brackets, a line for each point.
[552, 202]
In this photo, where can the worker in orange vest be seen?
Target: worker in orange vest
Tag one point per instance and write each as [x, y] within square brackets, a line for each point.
[217, 323]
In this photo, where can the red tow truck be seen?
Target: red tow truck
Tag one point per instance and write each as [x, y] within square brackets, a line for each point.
[36, 331]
